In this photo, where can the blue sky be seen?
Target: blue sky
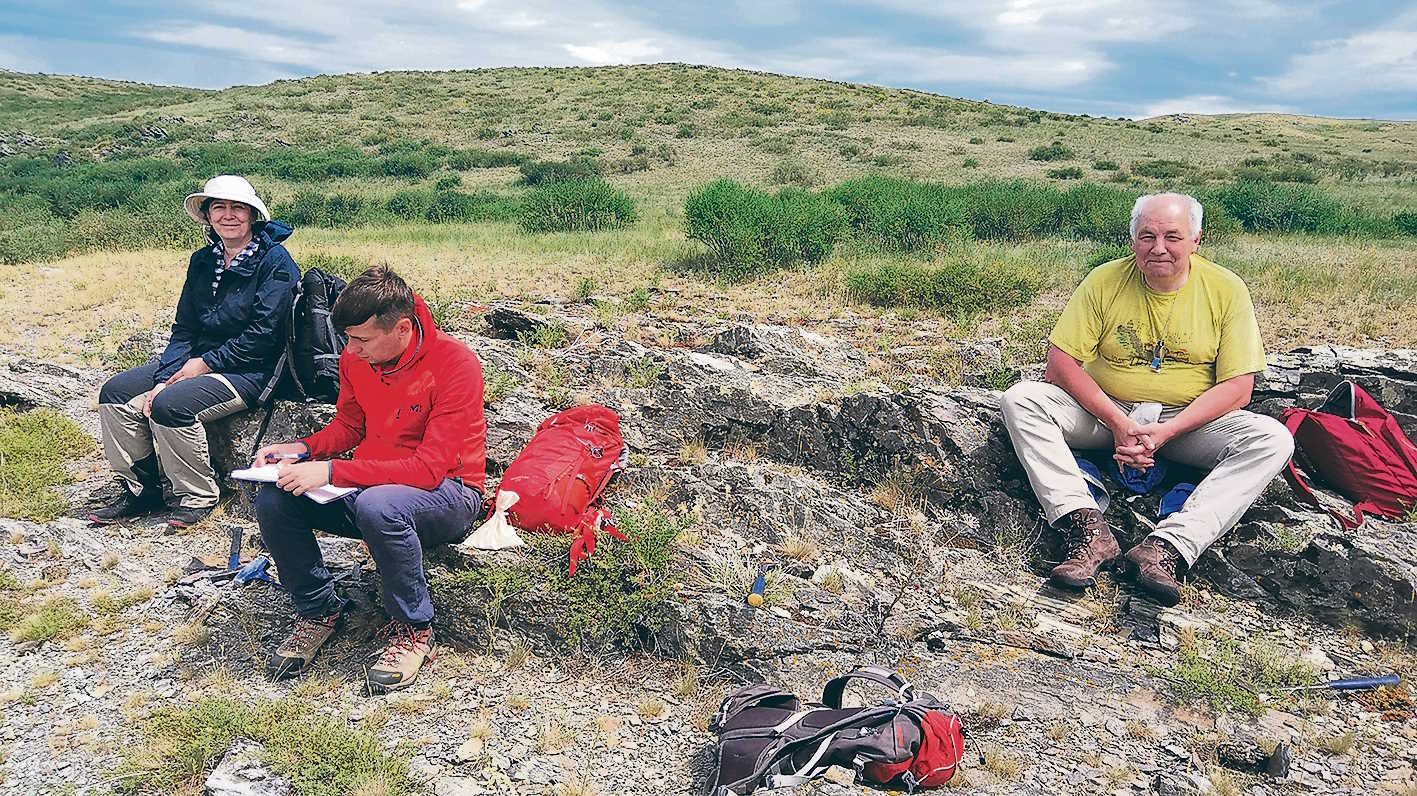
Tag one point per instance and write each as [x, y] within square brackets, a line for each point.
[1103, 57]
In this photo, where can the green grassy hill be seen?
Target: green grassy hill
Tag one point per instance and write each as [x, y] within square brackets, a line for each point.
[376, 166]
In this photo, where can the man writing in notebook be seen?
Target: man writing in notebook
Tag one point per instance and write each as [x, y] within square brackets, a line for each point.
[410, 406]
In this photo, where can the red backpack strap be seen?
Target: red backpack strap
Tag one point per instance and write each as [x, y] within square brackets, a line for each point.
[1293, 418]
[594, 519]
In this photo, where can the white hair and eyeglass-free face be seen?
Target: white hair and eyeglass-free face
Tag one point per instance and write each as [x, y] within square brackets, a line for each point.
[1166, 231]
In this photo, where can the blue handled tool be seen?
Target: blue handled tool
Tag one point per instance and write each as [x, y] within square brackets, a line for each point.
[1352, 684]
[760, 586]
[255, 570]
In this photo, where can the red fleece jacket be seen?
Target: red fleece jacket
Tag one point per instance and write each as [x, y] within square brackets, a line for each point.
[415, 423]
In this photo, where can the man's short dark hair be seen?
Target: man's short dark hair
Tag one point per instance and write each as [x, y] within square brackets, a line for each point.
[377, 293]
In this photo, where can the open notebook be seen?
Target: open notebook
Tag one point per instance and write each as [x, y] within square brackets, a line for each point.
[267, 474]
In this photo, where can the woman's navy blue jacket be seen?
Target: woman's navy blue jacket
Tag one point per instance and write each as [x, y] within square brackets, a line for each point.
[241, 331]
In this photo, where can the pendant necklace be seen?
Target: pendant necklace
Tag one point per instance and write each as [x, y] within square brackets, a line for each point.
[1158, 349]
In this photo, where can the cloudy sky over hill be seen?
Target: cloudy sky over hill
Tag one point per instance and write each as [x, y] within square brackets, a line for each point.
[1104, 57]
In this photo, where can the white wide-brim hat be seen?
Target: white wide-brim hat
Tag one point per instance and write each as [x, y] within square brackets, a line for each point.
[227, 186]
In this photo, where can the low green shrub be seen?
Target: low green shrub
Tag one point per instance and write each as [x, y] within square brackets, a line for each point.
[456, 206]
[416, 165]
[898, 214]
[959, 285]
[1054, 151]
[410, 204]
[1161, 169]
[574, 205]
[1105, 165]
[1262, 206]
[538, 172]
[749, 231]
[1066, 173]
[465, 159]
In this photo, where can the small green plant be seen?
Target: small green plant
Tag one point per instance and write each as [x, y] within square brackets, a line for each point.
[496, 384]
[34, 447]
[792, 172]
[57, 617]
[320, 755]
[1066, 173]
[1105, 165]
[585, 288]
[551, 334]
[1229, 675]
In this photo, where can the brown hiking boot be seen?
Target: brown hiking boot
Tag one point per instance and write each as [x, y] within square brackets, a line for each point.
[1155, 563]
[1088, 543]
[127, 506]
[297, 652]
[400, 661]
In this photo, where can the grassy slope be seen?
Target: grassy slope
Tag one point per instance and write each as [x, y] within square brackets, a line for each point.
[719, 123]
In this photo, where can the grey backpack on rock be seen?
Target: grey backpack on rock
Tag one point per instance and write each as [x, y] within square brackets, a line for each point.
[767, 737]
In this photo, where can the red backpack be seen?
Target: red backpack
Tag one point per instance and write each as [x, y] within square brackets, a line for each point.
[1356, 447]
[560, 474]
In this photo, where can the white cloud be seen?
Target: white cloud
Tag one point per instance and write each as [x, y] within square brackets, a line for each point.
[1208, 104]
[615, 52]
[17, 53]
[857, 58]
[1383, 59]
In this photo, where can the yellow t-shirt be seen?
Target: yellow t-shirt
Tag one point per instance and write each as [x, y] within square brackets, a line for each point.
[1114, 320]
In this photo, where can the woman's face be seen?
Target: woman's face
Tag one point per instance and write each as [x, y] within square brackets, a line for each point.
[231, 220]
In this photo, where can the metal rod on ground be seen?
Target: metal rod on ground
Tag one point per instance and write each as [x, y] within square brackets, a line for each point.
[1352, 684]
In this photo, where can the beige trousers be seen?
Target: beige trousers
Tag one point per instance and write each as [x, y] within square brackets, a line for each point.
[175, 432]
[1242, 450]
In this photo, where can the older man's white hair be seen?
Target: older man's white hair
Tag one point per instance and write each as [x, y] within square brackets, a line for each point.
[1193, 209]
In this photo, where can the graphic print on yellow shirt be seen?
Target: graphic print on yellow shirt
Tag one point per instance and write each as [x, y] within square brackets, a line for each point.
[1202, 334]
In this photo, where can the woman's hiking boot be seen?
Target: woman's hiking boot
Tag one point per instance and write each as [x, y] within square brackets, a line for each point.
[1088, 544]
[409, 647]
[1155, 563]
[126, 506]
[184, 517]
[297, 652]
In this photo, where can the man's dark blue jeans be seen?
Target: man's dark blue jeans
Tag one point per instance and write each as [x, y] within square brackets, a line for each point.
[396, 521]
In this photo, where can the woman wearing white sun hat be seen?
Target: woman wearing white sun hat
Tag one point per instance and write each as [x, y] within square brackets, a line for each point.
[227, 337]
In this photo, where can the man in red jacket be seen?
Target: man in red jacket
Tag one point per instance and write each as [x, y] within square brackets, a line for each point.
[410, 405]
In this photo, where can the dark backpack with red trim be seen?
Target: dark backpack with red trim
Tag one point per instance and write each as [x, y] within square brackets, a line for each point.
[561, 473]
[768, 738]
[1355, 446]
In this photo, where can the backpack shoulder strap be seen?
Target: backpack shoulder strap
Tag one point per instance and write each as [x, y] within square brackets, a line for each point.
[835, 688]
[1293, 418]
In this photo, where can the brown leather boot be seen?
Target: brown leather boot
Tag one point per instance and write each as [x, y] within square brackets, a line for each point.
[1155, 563]
[1088, 543]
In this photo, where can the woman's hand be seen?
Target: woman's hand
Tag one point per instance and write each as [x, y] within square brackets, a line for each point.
[196, 366]
[148, 401]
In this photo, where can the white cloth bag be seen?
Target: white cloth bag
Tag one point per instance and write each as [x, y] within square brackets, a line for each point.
[497, 533]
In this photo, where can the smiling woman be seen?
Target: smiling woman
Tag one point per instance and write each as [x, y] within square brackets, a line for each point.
[222, 352]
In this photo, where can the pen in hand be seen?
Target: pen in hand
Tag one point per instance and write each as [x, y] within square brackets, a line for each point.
[287, 457]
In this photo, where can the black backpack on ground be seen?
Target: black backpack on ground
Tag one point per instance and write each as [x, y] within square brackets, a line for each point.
[767, 737]
[308, 369]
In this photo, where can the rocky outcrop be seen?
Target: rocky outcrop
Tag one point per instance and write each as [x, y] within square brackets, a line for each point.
[795, 439]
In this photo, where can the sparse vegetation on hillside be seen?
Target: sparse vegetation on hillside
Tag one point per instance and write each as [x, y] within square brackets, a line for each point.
[433, 172]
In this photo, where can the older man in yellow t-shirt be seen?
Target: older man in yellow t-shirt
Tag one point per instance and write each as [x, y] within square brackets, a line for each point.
[1168, 326]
